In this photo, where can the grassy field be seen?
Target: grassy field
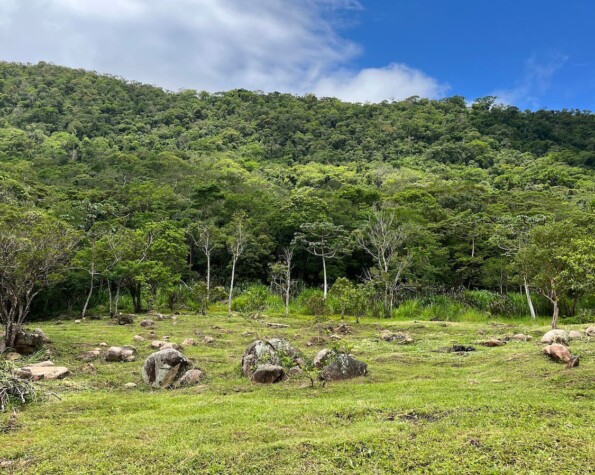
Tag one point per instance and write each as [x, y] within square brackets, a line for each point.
[496, 410]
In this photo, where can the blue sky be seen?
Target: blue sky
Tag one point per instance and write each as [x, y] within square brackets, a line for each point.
[529, 53]
[541, 52]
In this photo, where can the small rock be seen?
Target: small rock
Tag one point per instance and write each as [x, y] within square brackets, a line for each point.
[124, 318]
[460, 348]
[321, 358]
[166, 337]
[399, 337]
[121, 353]
[12, 356]
[188, 342]
[335, 337]
[88, 368]
[590, 331]
[343, 328]
[492, 343]
[138, 338]
[157, 344]
[208, 339]
[561, 354]
[147, 323]
[104, 344]
[268, 374]
[575, 335]
[277, 325]
[130, 385]
[77, 321]
[521, 337]
[159, 317]
[555, 336]
[191, 377]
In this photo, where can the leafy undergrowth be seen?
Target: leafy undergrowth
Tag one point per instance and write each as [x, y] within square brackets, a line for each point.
[420, 410]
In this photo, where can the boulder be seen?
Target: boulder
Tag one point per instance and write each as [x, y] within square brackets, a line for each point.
[338, 365]
[124, 318]
[268, 374]
[399, 337]
[561, 354]
[273, 351]
[44, 338]
[121, 353]
[575, 335]
[590, 331]
[164, 368]
[147, 323]
[157, 343]
[555, 336]
[43, 370]
[191, 377]
[188, 342]
[28, 343]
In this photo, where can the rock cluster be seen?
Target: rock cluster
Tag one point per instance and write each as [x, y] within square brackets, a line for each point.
[265, 361]
[399, 337]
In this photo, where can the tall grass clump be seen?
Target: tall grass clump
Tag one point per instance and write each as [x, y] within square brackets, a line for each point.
[257, 298]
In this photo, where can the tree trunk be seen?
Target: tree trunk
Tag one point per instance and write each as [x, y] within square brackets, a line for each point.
[208, 278]
[109, 293]
[529, 301]
[233, 272]
[84, 312]
[116, 299]
[136, 298]
[324, 277]
[556, 313]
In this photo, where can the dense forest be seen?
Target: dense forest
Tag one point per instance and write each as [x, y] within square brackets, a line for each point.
[116, 195]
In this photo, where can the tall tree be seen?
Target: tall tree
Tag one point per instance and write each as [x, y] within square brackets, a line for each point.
[236, 245]
[325, 240]
[33, 249]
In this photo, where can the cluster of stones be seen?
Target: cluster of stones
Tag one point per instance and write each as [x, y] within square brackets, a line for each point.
[271, 361]
[557, 341]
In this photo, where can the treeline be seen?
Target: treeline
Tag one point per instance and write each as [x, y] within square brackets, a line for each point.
[407, 199]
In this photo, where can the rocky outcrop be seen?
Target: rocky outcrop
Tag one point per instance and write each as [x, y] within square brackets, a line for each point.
[561, 354]
[165, 368]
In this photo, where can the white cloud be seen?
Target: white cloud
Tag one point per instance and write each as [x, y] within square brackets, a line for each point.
[270, 45]
[533, 84]
[396, 81]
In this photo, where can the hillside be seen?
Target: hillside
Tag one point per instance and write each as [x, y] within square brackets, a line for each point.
[100, 153]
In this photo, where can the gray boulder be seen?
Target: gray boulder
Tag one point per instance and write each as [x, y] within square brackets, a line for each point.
[338, 366]
[590, 331]
[28, 343]
[268, 374]
[276, 352]
[165, 368]
[147, 323]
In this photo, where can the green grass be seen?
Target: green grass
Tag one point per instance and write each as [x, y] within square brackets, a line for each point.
[497, 410]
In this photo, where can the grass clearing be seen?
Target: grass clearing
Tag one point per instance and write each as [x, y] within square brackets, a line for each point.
[496, 410]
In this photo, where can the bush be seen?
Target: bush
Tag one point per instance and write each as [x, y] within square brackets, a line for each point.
[257, 298]
[409, 310]
[14, 390]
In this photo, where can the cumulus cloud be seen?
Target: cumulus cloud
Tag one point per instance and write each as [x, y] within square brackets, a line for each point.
[534, 82]
[213, 45]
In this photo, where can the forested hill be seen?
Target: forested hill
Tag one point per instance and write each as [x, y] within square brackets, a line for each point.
[93, 150]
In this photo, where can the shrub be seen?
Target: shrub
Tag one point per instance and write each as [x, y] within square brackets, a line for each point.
[14, 390]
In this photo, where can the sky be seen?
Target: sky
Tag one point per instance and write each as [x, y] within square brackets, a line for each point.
[529, 53]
